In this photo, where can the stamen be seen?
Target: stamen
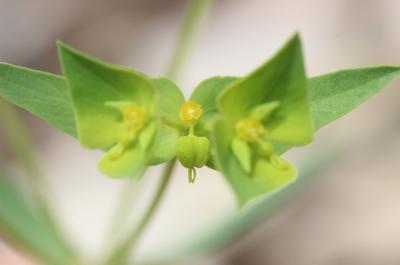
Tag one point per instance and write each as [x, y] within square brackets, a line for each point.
[279, 162]
[190, 112]
[134, 118]
[249, 129]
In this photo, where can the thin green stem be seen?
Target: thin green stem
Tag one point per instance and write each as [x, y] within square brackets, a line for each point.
[195, 12]
[120, 255]
[19, 142]
[124, 205]
[194, 15]
[20, 145]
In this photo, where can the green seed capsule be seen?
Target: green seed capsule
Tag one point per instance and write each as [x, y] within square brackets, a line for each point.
[193, 151]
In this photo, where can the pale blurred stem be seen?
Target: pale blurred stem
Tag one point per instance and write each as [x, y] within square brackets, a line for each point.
[20, 145]
[191, 25]
[194, 15]
[122, 210]
[120, 254]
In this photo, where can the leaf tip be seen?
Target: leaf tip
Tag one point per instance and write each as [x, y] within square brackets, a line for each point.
[61, 46]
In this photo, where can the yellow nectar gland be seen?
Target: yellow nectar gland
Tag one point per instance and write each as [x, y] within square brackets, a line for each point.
[279, 162]
[134, 118]
[190, 112]
[249, 129]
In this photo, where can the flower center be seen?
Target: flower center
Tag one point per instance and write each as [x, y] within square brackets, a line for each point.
[192, 151]
[134, 118]
[190, 112]
[250, 129]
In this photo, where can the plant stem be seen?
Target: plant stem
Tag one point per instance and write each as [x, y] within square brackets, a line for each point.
[194, 15]
[120, 255]
[18, 140]
[196, 10]
[124, 205]
[20, 145]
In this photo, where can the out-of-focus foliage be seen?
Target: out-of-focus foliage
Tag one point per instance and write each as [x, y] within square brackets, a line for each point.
[27, 229]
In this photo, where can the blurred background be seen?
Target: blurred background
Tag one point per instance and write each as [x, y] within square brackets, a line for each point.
[351, 212]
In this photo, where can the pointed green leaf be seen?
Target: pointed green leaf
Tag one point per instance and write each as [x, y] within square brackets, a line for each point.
[92, 84]
[280, 79]
[335, 94]
[43, 94]
[23, 226]
[168, 101]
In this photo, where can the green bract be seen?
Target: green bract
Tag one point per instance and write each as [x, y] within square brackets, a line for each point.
[206, 94]
[271, 105]
[169, 101]
[114, 110]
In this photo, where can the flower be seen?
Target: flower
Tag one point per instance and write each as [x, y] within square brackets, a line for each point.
[114, 110]
[260, 112]
[192, 151]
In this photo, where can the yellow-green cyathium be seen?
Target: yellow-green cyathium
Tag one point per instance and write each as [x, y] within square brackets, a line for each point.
[192, 121]
[268, 107]
[114, 111]
[192, 151]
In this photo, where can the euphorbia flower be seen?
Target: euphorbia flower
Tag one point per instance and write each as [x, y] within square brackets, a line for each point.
[268, 107]
[114, 109]
[192, 151]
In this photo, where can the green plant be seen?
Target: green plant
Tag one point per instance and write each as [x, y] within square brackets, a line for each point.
[238, 126]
